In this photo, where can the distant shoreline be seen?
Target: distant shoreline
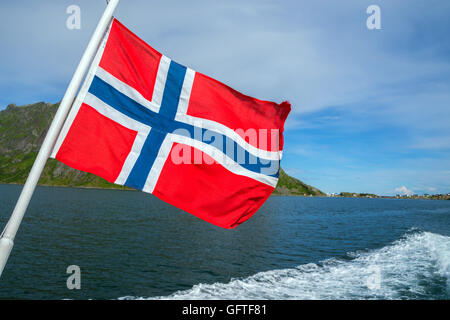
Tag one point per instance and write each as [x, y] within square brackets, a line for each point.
[363, 196]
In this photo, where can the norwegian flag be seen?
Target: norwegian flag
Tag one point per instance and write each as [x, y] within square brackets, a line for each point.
[144, 121]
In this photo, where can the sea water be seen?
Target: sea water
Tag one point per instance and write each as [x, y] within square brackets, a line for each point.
[130, 245]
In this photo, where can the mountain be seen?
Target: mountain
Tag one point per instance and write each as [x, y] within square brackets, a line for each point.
[22, 131]
[288, 185]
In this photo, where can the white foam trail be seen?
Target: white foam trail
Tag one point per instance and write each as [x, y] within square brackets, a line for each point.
[408, 269]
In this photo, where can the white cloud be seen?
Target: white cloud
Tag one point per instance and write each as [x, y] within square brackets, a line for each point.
[404, 191]
[317, 55]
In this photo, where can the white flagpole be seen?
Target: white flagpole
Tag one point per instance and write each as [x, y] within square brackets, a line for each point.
[8, 234]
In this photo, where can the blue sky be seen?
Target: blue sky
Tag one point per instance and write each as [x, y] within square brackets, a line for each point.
[370, 107]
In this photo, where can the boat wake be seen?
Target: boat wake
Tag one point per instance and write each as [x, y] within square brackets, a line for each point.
[416, 266]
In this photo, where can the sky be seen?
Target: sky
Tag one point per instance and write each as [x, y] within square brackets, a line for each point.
[370, 107]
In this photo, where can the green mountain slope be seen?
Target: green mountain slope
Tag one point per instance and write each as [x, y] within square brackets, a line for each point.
[288, 185]
[22, 131]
